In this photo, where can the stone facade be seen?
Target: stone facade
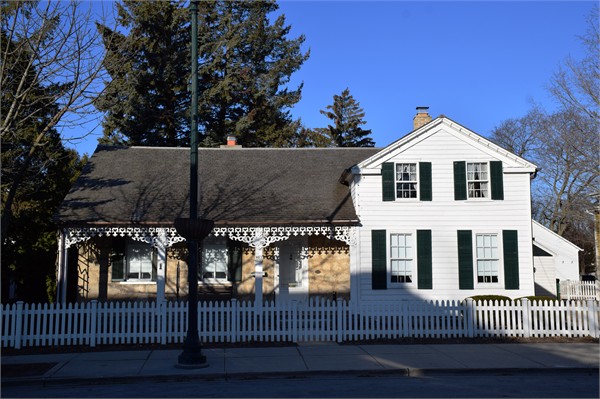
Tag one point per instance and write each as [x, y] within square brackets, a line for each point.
[328, 274]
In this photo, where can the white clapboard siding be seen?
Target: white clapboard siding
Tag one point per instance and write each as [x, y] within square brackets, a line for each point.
[92, 324]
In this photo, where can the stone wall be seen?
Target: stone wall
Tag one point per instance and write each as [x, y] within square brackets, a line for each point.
[328, 274]
[328, 268]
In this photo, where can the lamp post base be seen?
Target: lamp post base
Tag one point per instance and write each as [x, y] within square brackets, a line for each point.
[191, 357]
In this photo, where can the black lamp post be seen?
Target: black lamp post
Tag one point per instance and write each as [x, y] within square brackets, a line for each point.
[194, 230]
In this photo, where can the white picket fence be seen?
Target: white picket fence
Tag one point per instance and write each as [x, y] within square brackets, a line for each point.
[105, 323]
[579, 290]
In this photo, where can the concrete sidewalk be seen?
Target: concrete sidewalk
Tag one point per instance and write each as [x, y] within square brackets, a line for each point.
[306, 359]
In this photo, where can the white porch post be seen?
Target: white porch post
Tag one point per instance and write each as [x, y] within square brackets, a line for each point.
[161, 246]
[258, 276]
[61, 275]
[354, 269]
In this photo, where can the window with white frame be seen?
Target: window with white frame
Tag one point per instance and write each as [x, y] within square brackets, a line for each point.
[139, 262]
[215, 259]
[132, 261]
[488, 259]
[406, 180]
[401, 258]
[477, 179]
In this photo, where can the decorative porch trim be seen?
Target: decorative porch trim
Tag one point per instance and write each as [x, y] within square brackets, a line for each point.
[262, 237]
[253, 236]
[149, 235]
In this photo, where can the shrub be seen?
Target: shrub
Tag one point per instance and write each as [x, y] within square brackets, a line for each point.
[481, 298]
[538, 298]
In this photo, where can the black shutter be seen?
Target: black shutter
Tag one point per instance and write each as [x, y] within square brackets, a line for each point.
[234, 249]
[497, 180]
[117, 259]
[424, 273]
[510, 245]
[378, 260]
[460, 180]
[388, 181]
[465, 259]
[425, 181]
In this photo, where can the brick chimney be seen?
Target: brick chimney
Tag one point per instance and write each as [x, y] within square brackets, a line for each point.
[421, 118]
[231, 142]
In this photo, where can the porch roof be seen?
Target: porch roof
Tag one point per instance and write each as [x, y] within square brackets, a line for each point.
[248, 186]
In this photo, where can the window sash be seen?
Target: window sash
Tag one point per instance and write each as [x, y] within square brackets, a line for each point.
[406, 180]
[488, 258]
[215, 259]
[478, 179]
[401, 258]
[139, 262]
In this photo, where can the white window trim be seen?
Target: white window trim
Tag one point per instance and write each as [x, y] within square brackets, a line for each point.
[500, 283]
[417, 182]
[413, 283]
[127, 265]
[212, 280]
[489, 182]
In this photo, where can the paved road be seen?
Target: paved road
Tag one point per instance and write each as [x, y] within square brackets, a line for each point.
[540, 384]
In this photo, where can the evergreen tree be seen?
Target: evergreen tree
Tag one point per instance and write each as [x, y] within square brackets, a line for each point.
[347, 116]
[147, 102]
[245, 65]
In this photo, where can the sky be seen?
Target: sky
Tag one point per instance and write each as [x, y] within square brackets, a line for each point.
[476, 62]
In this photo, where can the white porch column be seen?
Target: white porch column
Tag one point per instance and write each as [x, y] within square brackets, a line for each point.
[61, 274]
[258, 276]
[161, 247]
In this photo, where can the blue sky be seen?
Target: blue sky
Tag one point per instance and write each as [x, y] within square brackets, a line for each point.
[477, 62]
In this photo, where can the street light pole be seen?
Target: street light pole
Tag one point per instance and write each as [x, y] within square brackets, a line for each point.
[193, 229]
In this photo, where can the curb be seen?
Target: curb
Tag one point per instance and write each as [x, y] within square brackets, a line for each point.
[401, 372]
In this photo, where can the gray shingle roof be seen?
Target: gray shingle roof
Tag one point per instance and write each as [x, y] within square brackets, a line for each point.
[251, 186]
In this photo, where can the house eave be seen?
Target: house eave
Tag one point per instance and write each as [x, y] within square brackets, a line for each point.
[264, 223]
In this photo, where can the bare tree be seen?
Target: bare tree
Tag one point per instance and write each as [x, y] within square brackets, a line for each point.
[564, 145]
[576, 84]
[50, 72]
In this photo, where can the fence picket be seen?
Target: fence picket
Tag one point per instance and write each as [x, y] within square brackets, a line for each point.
[101, 323]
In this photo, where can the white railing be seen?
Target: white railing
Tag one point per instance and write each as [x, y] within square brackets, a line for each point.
[579, 290]
[105, 323]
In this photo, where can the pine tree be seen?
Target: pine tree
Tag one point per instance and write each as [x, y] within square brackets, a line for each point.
[347, 116]
[147, 102]
[245, 65]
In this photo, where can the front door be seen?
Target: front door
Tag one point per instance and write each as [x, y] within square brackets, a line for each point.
[291, 274]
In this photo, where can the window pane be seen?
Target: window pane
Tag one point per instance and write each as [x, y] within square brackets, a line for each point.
[214, 258]
[401, 258]
[487, 258]
[139, 259]
[477, 179]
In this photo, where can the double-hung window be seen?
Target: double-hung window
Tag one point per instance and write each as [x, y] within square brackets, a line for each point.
[401, 258]
[488, 259]
[406, 180]
[477, 179]
[132, 261]
[215, 259]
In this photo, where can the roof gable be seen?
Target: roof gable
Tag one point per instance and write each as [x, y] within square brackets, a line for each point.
[445, 125]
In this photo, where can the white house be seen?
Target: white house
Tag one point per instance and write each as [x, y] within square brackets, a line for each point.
[444, 213]
[554, 259]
